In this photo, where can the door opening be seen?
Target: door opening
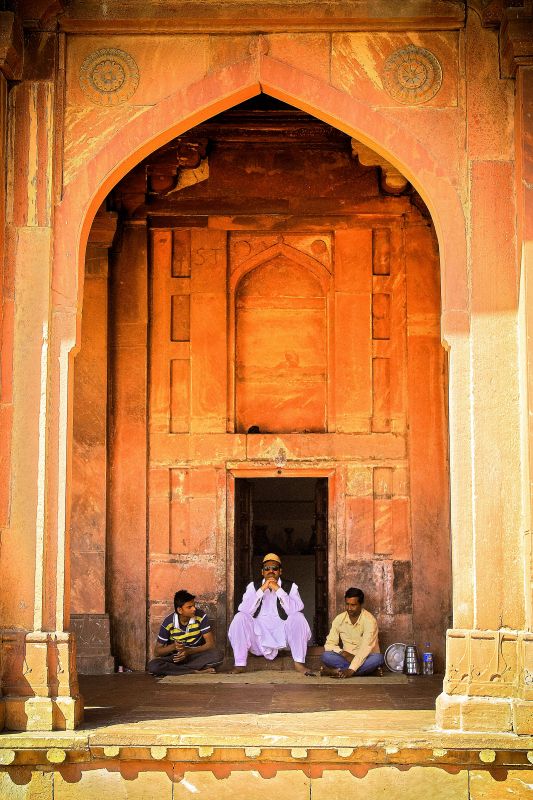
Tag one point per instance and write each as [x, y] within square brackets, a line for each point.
[287, 516]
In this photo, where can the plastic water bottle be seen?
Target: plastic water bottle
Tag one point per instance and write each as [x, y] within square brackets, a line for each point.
[427, 660]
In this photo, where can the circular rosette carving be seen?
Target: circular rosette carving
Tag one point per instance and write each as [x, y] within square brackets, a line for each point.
[109, 76]
[412, 75]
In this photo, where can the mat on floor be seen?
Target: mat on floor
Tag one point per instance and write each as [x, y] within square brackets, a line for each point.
[282, 677]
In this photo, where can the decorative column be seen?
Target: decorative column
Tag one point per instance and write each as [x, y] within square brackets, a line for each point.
[39, 675]
[488, 684]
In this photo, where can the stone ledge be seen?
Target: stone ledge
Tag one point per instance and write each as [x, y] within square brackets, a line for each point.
[383, 755]
[355, 737]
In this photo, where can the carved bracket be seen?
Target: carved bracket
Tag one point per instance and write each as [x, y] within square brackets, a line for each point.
[11, 46]
[392, 180]
[187, 166]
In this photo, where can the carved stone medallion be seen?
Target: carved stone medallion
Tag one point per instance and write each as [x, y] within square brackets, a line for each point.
[412, 75]
[109, 76]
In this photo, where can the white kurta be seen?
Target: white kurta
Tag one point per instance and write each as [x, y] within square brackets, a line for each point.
[268, 633]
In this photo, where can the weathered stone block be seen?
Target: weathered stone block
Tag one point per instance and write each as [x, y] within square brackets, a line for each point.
[382, 782]
[93, 654]
[448, 712]
[516, 785]
[523, 716]
[14, 785]
[486, 714]
[108, 784]
[242, 785]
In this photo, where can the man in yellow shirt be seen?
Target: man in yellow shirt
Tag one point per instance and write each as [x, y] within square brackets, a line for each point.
[352, 646]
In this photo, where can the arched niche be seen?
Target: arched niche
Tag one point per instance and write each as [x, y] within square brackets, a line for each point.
[280, 346]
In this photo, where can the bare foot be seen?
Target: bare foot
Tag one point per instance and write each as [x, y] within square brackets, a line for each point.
[237, 670]
[210, 670]
[329, 672]
[299, 667]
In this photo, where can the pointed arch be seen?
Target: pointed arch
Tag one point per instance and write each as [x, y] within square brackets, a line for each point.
[317, 268]
[223, 89]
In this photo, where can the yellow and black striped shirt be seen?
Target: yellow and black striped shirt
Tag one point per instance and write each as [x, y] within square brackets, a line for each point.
[191, 635]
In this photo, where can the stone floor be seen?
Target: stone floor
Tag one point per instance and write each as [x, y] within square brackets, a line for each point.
[132, 697]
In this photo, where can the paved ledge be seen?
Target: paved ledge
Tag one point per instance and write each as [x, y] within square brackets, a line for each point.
[332, 737]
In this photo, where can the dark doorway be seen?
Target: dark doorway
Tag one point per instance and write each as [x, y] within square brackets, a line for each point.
[287, 516]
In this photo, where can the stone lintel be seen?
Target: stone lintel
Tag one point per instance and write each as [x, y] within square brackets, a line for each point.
[241, 16]
[11, 45]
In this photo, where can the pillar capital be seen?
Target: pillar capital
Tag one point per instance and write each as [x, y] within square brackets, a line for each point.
[488, 684]
[515, 22]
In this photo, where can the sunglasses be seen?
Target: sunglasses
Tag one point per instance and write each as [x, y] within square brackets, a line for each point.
[274, 569]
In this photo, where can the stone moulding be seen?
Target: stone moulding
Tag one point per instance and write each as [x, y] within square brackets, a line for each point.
[40, 751]
[211, 16]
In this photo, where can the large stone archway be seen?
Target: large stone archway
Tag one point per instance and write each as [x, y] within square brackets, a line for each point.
[478, 605]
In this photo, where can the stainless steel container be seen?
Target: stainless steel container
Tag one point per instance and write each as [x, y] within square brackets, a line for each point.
[411, 663]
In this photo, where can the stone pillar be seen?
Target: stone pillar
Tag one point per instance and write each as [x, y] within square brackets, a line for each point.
[127, 508]
[10, 67]
[88, 618]
[39, 676]
[489, 671]
[523, 710]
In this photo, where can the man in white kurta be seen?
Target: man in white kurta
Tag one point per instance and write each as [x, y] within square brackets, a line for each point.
[269, 619]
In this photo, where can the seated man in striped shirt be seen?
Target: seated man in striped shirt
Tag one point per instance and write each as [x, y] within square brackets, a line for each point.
[185, 642]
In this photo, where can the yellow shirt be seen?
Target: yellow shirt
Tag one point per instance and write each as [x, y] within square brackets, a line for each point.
[359, 640]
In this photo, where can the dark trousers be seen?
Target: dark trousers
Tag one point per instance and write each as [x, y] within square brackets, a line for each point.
[164, 665]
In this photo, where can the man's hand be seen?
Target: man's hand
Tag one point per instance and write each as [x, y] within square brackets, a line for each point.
[180, 654]
[270, 583]
[345, 654]
[346, 673]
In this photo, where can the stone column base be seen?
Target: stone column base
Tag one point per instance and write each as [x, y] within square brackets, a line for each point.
[42, 713]
[488, 684]
[39, 681]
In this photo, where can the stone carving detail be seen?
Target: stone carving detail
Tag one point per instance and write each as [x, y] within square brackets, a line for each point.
[392, 180]
[412, 75]
[109, 76]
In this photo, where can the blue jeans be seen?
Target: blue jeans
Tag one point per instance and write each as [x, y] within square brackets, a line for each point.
[369, 665]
